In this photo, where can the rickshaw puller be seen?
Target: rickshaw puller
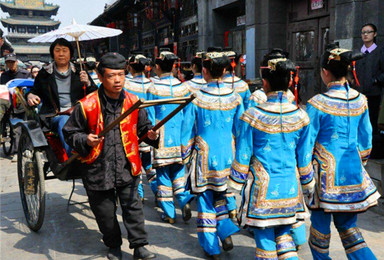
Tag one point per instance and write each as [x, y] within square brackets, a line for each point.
[111, 165]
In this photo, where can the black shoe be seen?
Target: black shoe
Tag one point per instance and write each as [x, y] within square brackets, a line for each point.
[227, 244]
[233, 215]
[141, 253]
[214, 257]
[114, 253]
[186, 212]
[167, 219]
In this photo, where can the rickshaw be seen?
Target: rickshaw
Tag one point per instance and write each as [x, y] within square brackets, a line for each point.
[42, 157]
[14, 113]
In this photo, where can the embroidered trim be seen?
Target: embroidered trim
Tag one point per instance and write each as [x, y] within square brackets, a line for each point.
[216, 103]
[258, 96]
[162, 89]
[264, 254]
[333, 104]
[267, 122]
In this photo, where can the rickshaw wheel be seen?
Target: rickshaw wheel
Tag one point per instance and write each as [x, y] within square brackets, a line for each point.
[8, 136]
[31, 182]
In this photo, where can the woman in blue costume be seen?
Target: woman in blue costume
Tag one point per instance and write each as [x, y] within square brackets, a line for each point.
[232, 81]
[167, 158]
[198, 81]
[258, 97]
[209, 128]
[273, 165]
[341, 133]
[138, 85]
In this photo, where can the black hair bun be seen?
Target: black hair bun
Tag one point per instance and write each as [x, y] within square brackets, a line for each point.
[356, 55]
[332, 46]
[285, 66]
[277, 53]
[221, 62]
[214, 49]
[165, 49]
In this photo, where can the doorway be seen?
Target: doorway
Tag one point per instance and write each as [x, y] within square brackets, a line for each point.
[307, 41]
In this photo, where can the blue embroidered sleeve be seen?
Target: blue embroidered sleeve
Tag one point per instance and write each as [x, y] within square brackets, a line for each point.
[240, 166]
[304, 158]
[314, 127]
[364, 137]
[246, 99]
[236, 120]
[188, 131]
[151, 110]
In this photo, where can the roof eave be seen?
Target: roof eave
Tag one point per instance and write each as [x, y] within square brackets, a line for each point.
[5, 23]
[5, 8]
[107, 13]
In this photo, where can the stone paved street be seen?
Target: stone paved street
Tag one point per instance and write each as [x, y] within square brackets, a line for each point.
[72, 233]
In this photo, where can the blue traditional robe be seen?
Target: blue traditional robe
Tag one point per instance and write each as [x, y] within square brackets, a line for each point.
[95, 78]
[167, 158]
[240, 86]
[342, 133]
[258, 97]
[342, 136]
[139, 85]
[273, 156]
[169, 150]
[128, 76]
[215, 111]
[196, 83]
[209, 128]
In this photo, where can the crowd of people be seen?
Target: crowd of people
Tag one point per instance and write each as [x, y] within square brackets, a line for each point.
[285, 158]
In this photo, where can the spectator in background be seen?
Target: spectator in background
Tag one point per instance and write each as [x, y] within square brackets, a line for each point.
[34, 71]
[378, 140]
[2, 69]
[13, 71]
[370, 72]
[91, 64]
[4, 46]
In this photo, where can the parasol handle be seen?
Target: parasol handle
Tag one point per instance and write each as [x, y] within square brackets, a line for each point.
[78, 52]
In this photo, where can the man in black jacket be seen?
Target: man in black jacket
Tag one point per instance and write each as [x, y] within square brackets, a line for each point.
[370, 72]
[13, 71]
[59, 86]
[111, 165]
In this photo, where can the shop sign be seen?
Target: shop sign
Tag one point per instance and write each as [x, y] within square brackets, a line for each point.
[317, 4]
[240, 20]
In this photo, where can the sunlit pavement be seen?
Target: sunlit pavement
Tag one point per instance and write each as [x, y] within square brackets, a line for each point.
[72, 233]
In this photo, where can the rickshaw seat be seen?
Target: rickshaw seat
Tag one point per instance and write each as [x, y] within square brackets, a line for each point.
[56, 146]
[14, 121]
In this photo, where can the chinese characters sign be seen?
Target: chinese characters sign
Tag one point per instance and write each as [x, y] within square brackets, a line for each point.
[30, 3]
[317, 4]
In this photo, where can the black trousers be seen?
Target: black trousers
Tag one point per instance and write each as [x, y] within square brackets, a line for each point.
[103, 205]
[374, 109]
[377, 147]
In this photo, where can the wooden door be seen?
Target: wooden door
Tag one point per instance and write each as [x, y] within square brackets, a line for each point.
[306, 42]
